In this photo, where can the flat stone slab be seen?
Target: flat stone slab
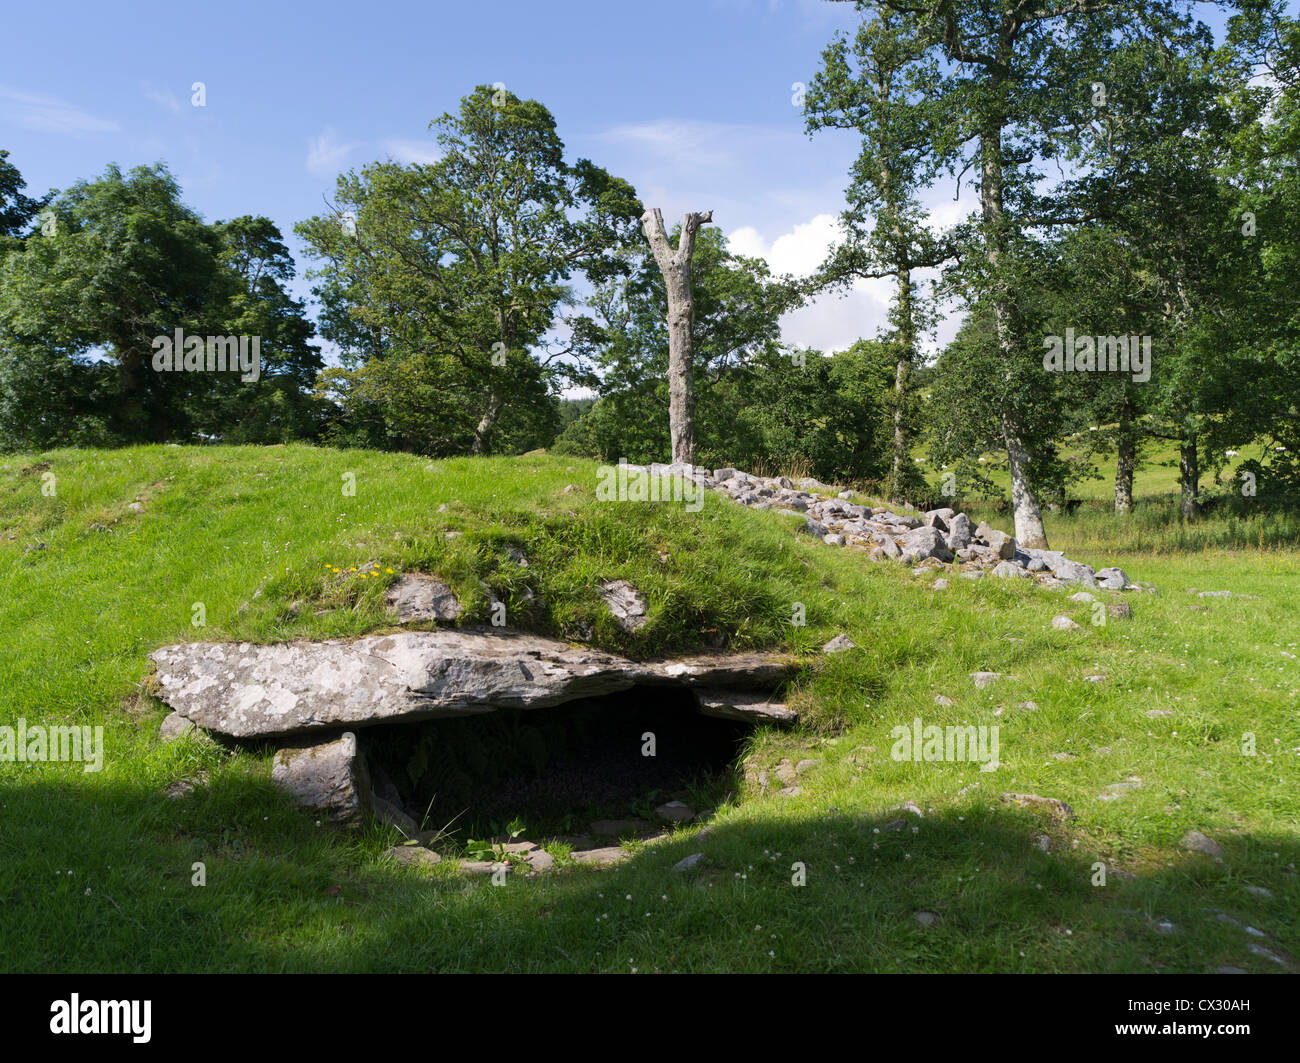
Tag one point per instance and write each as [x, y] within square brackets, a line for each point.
[612, 854]
[743, 705]
[244, 690]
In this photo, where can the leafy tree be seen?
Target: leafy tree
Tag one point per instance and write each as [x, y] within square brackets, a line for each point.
[882, 85]
[253, 301]
[124, 261]
[440, 282]
[1016, 75]
[16, 210]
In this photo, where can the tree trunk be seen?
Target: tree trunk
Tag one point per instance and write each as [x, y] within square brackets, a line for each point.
[483, 433]
[1029, 518]
[906, 353]
[1126, 459]
[900, 431]
[1189, 475]
[676, 269]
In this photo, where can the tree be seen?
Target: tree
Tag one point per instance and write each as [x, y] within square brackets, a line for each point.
[736, 311]
[16, 209]
[882, 86]
[124, 261]
[1011, 89]
[676, 269]
[1180, 270]
[441, 281]
[253, 300]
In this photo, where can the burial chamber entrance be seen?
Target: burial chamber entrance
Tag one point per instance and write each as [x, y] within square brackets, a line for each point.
[592, 767]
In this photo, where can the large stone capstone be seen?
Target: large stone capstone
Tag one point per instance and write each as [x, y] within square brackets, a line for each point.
[244, 690]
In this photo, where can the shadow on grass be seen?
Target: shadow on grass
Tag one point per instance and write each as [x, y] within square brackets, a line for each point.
[100, 877]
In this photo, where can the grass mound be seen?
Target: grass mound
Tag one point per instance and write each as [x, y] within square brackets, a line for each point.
[106, 555]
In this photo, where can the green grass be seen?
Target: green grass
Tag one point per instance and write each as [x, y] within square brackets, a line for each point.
[96, 868]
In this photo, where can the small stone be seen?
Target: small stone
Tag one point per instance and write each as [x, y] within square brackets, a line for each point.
[806, 765]
[1055, 807]
[1028, 706]
[1112, 578]
[1064, 623]
[925, 918]
[625, 604]
[982, 680]
[944, 701]
[540, 860]
[688, 863]
[1009, 570]
[833, 540]
[417, 596]
[1117, 790]
[839, 644]
[414, 856]
[675, 812]
[1042, 842]
[1259, 891]
[1158, 714]
[174, 726]
[393, 816]
[789, 791]
[1082, 597]
[939, 585]
[1119, 610]
[1196, 842]
[613, 854]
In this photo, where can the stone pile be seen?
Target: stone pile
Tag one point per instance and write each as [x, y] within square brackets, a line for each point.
[937, 538]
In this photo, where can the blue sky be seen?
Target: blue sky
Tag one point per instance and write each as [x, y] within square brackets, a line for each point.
[690, 101]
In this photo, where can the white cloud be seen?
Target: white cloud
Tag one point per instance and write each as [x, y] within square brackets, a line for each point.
[47, 114]
[698, 146]
[162, 99]
[418, 151]
[832, 321]
[325, 154]
[798, 252]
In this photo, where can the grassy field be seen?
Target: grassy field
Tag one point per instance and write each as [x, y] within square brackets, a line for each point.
[96, 868]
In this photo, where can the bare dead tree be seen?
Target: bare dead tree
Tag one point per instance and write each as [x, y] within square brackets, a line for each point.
[676, 269]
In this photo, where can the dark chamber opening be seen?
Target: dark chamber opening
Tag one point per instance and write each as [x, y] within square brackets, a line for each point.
[555, 770]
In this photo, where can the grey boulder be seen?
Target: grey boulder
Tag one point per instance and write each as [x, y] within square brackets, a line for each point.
[328, 777]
